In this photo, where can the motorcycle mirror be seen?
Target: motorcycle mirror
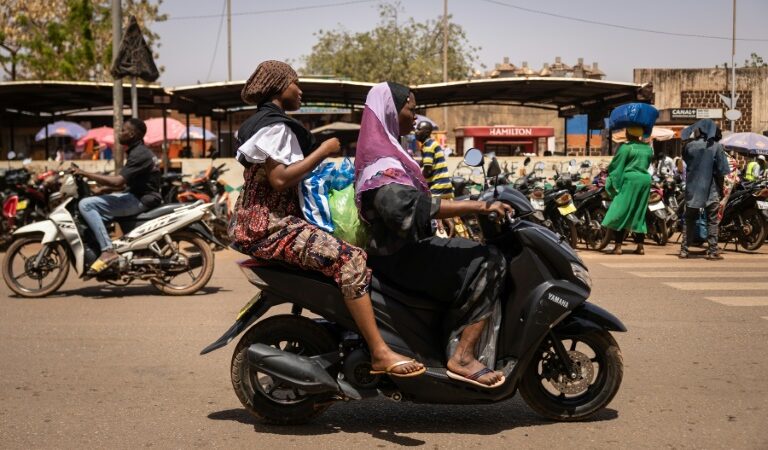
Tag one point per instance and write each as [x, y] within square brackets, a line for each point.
[473, 157]
[527, 160]
[572, 163]
[214, 154]
[11, 155]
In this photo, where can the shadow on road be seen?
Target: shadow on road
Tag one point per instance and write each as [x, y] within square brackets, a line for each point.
[106, 291]
[390, 422]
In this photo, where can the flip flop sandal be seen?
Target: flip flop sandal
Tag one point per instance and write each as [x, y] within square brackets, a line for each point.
[388, 370]
[472, 379]
[100, 265]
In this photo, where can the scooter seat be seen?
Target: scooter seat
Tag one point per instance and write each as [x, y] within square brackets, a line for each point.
[583, 195]
[160, 211]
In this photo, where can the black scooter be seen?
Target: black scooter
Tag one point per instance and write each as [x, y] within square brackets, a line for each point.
[553, 345]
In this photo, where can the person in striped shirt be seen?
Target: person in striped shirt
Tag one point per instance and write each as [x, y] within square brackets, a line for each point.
[434, 166]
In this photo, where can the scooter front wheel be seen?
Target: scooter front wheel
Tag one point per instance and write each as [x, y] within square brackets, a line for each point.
[598, 370]
[33, 269]
[268, 398]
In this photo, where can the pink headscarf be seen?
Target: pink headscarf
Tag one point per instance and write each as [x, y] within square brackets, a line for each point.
[380, 159]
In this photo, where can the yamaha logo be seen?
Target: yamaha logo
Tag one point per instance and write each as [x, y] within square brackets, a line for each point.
[555, 299]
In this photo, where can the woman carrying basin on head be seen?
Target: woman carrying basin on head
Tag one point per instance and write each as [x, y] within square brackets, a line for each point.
[394, 200]
[267, 224]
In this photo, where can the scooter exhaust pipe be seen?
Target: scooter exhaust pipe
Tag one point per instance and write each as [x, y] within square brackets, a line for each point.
[299, 371]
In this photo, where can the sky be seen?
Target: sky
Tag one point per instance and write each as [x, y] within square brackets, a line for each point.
[190, 53]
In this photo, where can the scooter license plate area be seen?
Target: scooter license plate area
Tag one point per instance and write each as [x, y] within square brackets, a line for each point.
[656, 206]
[538, 204]
[22, 205]
[760, 205]
[567, 209]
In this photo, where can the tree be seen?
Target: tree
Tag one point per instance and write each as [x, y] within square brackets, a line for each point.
[407, 51]
[755, 60]
[65, 39]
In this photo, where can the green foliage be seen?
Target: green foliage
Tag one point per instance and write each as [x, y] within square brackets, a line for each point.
[66, 39]
[755, 60]
[399, 50]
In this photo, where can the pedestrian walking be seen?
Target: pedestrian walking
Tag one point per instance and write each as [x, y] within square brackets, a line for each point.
[707, 165]
[629, 184]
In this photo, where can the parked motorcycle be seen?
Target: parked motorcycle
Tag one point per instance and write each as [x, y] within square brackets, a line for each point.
[168, 246]
[745, 217]
[209, 188]
[552, 345]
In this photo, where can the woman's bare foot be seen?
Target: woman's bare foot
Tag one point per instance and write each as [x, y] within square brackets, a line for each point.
[468, 366]
[385, 358]
[639, 250]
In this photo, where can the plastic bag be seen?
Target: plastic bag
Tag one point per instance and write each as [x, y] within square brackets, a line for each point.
[346, 221]
[634, 114]
[343, 176]
[313, 196]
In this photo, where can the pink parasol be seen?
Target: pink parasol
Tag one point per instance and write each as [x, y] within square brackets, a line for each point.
[102, 135]
[174, 130]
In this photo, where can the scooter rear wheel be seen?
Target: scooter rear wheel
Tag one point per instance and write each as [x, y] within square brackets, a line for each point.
[553, 394]
[265, 397]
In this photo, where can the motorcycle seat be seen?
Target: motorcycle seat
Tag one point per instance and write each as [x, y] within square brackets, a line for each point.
[582, 195]
[291, 282]
[159, 211]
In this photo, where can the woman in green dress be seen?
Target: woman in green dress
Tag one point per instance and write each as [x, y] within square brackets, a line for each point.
[629, 184]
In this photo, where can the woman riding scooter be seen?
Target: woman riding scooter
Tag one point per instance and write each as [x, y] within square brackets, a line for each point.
[395, 201]
[278, 152]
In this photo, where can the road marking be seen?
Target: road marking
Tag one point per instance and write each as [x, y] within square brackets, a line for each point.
[741, 301]
[716, 286]
[682, 265]
[699, 274]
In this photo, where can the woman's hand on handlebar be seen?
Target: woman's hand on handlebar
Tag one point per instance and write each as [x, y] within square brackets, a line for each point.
[501, 209]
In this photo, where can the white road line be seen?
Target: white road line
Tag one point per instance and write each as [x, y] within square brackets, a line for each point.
[694, 264]
[717, 286]
[741, 301]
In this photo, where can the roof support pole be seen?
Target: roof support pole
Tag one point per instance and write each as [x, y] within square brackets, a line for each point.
[588, 148]
[202, 141]
[13, 137]
[166, 162]
[117, 84]
[231, 135]
[218, 136]
[565, 136]
[189, 146]
[134, 99]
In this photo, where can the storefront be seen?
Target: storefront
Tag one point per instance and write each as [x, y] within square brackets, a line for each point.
[506, 140]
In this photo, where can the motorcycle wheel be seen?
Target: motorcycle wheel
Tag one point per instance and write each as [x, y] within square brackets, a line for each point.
[192, 247]
[267, 398]
[660, 234]
[18, 262]
[753, 230]
[573, 235]
[552, 393]
[597, 232]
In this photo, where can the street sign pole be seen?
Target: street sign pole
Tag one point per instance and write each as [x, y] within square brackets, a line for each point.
[733, 68]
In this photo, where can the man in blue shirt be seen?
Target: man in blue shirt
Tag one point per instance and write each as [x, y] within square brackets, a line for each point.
[706, 165]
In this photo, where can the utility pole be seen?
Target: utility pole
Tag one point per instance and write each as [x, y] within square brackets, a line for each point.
[117, 83]
[445, 61]
[733, 68]
[229, 40]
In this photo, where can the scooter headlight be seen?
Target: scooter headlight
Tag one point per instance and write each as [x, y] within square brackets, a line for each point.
[582, 274]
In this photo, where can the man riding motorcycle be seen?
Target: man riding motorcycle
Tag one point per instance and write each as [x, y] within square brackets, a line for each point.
[140, 181]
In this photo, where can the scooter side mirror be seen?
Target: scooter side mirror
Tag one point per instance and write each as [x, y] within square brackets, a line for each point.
[527, 161]
[474, 157]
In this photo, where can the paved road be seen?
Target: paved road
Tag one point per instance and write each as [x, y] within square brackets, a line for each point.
[119, 367]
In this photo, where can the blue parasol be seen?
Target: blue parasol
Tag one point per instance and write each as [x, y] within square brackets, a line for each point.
[751, 143]
[198, 133]
[61, 128]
